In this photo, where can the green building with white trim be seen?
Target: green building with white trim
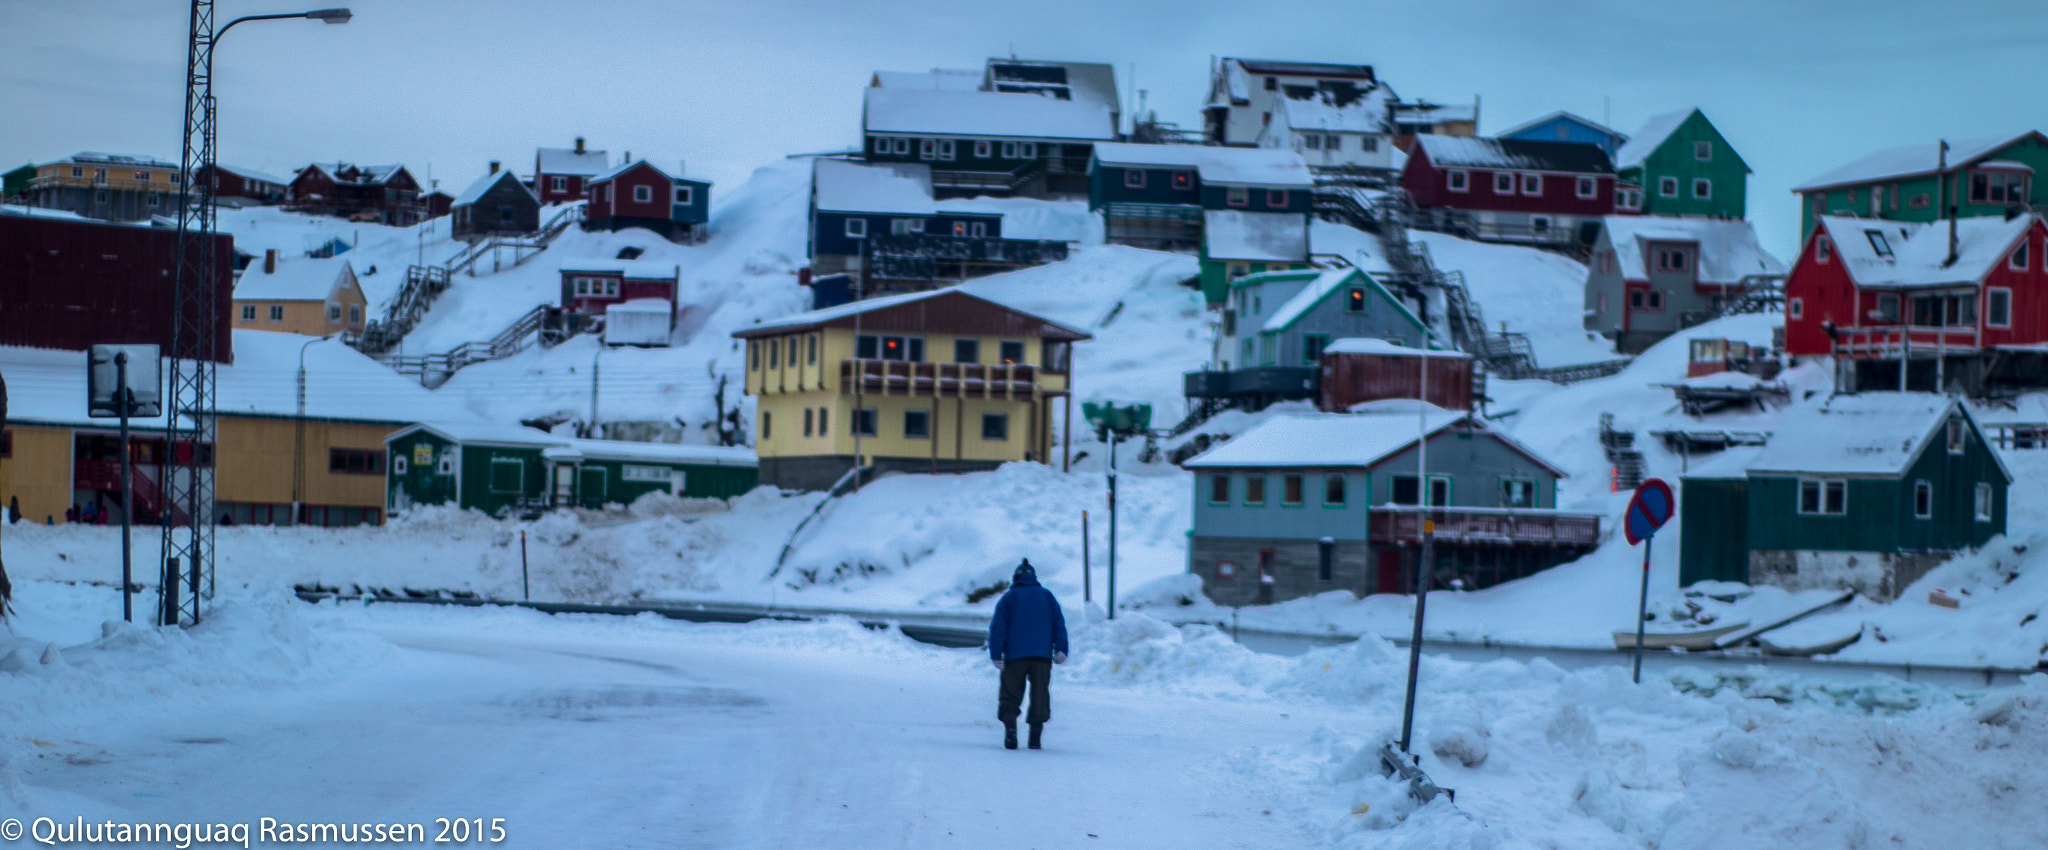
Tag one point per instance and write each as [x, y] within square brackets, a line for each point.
[503, 469]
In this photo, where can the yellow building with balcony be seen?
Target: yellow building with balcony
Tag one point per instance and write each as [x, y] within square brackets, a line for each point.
[107, 186]
[935, 381]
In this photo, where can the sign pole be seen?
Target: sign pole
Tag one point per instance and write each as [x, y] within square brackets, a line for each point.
[1087, 577]
[1648, 510]
[1112, 525]
[123, 400]
[1642, 613]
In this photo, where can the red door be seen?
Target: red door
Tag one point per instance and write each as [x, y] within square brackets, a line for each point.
[1393, 579]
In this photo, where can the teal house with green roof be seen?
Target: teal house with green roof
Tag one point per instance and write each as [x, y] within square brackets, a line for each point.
[1678, 164]
[1276, 326]
[1916, 183]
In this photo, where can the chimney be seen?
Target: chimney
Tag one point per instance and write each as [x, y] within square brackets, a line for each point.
[682, 168]
[270, 261]
[579, 144]
[494, 166]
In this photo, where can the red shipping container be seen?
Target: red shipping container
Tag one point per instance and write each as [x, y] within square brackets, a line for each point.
[1362, 370]
[69, 284]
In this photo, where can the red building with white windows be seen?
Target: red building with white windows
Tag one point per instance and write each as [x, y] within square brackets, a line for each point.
[1964, 312]
[1510, 190]
[561, 175]
[590, 288]
[640, 195]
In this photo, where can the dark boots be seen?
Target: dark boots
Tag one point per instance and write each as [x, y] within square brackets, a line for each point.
[1010, 736]
[1036, 728]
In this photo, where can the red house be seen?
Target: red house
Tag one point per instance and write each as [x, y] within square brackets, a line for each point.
[640, 195]
[234, 186]
[1875, 293]
[561, 175]
[589, 289]
[1510, 190]
[386, 194]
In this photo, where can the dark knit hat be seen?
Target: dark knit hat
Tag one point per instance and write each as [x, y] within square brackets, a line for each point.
[1024, 569]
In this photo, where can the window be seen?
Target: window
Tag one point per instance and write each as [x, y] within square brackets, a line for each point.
[100, 197]
[881, 145]
[946, 150]
[277, 312]
[607, 193]
[248, 312]
[1405, 490]
[508, 475]
[811, 349]
[1823, 248]
[863, 422]
[1333, 490]
[1628, 199]
[1958, 436]
[754, 355]
[1824, 497]
[1586, 187]
[979, 228]
[1673, 259]
[1134, 178]
[901, 226]
[967, 351]
[927, 149]
[995, 426]
[1702, 188]
[1354, 300]
[643, 194]
[1503, 183]
[767, 420]
[1272, 83]
[1276, 198]
[77, 171]
[981, 150]
[1368, 144]
[869, 347]
[807, 421]
[1532, 184]
[1998, 187]
[505, 215]
[1796, 308]
[1703, 151]
[1290, 489]
[774, 353]
[1921, 201]
[959, 228]
[1667, 187]
[1888, 307]
[1458, 181]
[1878, 243]
[1255, 489]
[1539, 224]
[856, 228]
[1027, 150]
[1312, 346]
[1011, 352]
[1219, 489]
[792, 351]
[1226, 569]
[902, 146]
[333, 313]
[1183, 180]
[917, 424]
[1852, 196]
[1009, 150]
[446, 465]
[1923, 500]
[1313, 141]
[398, 465]
[1517, 493]
[1651, 300]
[1982, 506]
[1237, 196]
[2018, 261]
[558, 183]
[1326, 558]
[152, 200]
[356, 461]
[1605, 262]
[1998, 307]
[686, 195]
[824, 421]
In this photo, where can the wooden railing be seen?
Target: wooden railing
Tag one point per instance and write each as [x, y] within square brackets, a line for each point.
[1403, 524]
[1888, 342]
[959, 380]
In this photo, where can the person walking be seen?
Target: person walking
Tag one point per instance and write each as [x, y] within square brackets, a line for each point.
[1025, 638]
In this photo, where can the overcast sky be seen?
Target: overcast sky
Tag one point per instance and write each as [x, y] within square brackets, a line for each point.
[445, 86]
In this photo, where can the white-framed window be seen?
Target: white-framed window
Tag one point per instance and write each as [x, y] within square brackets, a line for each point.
[981, 149]
[1673, 259]
[1009, 150]
[248, 312]
[927, 149]
[980, 228]
[881, 145]
[856, 228]
[902, 146]
[1878, 243]
[902, 226]
[946, 150]
[333, 314]
[636, 472]
[1823, 497]
[1702, 188]
[399, 464]
[1586, 187]
[1183, 180]
[1982, 506]
[686, 195]
[1313, 141]
[1998, 307]
[2018, 261]
[1923, 499]
[1027, 150]
[1823, 249]
[607, 193]
[1276, 198]
[1630, 198]
[277, 312]
[643, 194]
[1703, 151]
[1667, 187]
[1458, 181]
[1503, 183]
[558, 183]
[1517, 493]
[446, 465]
[1532, 184]
[1368, 144]
[78, 171]
[1958, 437]
[1134, 178]
[355, 314]
[1539, 224]
[1796, 308]
[1237, 196]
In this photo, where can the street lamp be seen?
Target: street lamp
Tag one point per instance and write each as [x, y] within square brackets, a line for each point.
[1111, 422]
[299, 436]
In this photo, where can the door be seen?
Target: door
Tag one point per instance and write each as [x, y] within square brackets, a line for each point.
[1266, 577]
[591, 486]
[1391, 577]
[565, 484]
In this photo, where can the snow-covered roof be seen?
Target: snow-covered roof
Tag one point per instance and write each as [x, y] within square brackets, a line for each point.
[1326, 283]
[1220, 165]
[1367, 114]
[1369, 345]
[483, 184]
[1267, 237]
[936, 79]
[1910, 160]
[635, 269]
[663, 452]
[642, 305]
[43, 212]
[1470, 152]
[368, 173]
[1325, 439]
[1863, 434]
[103, 158]
[296, 279]
[1088, 81]
[1732, 463]
[1728, 249]
[842, 311]
[981, 113]
[1435, 112]
[1576, 119]
[1649, 137]
[251, 174]
[1919, 251]
[477, 431]
[567, 161]
[842, 186]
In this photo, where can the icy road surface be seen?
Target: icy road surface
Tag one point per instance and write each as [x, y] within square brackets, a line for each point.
[702, 737]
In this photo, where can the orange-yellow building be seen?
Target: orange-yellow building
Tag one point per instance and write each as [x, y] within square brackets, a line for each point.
[108, 186]
[311, 297]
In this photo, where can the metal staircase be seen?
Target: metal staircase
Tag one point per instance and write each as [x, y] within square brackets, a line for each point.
[1622, 457]
[433, 370]
[424, 284]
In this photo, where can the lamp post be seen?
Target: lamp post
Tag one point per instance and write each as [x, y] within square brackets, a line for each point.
[190, 380]
[299, 436]
[1426, 556]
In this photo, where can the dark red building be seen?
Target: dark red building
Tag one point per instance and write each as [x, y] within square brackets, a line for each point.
[243, 186]
[562, 175]
[640, 195]
[385, 194]
[1361, 370]
[70, 284]
[1511, 190]
[590, 288]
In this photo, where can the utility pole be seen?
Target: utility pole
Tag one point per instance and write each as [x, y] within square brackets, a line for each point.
[1112, 523]
[1426, 556]
[124, 399]
[593, 391]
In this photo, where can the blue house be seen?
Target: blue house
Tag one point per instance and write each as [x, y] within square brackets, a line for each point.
[1566, 127]
[1276, 326]
[638, 194]
[878, 223]
[1153, 196]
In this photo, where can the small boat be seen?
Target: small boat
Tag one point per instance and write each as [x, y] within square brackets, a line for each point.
[1692, 641]
[1805, 645]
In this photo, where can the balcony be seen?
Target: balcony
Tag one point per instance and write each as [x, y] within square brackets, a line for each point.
[923, 257]
[952, 380]
[1886, 343]
[1496, 526]
[1275, 382]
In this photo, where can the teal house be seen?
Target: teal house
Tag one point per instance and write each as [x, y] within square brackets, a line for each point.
[1682, 167]
[1980, 177]
[502, 469]
[1862, 492]
[15, 183]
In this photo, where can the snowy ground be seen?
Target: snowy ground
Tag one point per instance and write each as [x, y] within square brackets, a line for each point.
[826, 735]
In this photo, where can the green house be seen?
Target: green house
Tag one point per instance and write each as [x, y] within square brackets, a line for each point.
[1684, 167]
[1863, 492]
[501, 469]
[1235, 244]
[15, 183]
[1980, 177]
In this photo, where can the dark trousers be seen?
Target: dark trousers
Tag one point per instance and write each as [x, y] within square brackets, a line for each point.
[1016, 671]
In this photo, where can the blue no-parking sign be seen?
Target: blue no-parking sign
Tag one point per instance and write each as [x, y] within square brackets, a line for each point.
[1648, 510]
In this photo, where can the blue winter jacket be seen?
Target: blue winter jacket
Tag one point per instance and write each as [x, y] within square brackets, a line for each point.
[1028, 623]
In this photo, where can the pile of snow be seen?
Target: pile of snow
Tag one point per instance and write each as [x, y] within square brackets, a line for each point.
[1533, 292]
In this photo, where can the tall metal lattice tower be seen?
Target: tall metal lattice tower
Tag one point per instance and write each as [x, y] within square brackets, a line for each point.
[188, 488]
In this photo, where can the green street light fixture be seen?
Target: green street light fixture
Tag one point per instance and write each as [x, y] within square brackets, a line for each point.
[332, 16]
